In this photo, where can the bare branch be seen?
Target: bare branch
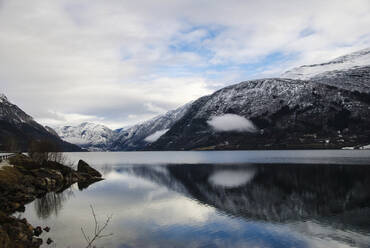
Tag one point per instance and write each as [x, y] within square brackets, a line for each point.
[86, 238]
[97, 230]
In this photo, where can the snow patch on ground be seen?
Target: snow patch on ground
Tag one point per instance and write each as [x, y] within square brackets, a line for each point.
[365, 147]
[231, 122]
[155, 136]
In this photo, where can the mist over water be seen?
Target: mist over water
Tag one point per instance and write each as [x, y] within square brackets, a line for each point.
[216, 199]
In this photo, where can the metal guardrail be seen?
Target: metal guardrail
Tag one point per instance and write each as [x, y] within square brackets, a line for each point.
[4, 156]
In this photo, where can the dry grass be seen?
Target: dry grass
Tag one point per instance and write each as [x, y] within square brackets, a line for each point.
[20, 159]
[10, 175]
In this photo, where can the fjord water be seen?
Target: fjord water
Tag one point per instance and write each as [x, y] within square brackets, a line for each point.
[216, 199]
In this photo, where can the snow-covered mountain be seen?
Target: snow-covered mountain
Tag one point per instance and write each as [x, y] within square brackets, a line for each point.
[275, 114]
[18, 129]
[139, 136]
[313, 106]
[11, 113]
[91, 136]
[96, 137]
[328, 109]
[354, 60]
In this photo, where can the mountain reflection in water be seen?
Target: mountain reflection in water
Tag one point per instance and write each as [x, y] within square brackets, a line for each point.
[276, 193]
[336, 196]
[243, 205]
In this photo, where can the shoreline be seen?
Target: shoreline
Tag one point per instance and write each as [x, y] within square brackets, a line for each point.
[22, 181]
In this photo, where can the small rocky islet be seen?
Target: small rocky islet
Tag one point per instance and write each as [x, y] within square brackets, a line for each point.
[25, 180]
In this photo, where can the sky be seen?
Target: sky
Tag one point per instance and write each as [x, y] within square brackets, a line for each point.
[119, 62]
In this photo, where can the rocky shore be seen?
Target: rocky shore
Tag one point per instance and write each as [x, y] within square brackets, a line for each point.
[24, 181]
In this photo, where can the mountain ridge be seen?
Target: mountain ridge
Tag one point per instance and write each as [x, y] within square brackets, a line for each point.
[319, 108]
[18, 130]
[356, 59]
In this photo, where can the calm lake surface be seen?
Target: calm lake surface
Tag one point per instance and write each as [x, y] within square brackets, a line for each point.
[216, 199]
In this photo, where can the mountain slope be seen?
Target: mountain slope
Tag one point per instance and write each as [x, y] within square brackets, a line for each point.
[140, 135]
[355, 79]
[94, 137]
[350, 61]
[313, 106]
[18, 130]
[286, 113]
[330, 108]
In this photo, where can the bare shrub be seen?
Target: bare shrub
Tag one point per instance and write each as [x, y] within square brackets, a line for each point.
[98, 230]
[45, 150]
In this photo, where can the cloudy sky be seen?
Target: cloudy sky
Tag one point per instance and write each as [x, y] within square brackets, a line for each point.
[119, 62]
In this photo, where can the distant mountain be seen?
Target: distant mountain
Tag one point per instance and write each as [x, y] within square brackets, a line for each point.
[139, 136]
[354, 60]
[94, 137]
[18, 129]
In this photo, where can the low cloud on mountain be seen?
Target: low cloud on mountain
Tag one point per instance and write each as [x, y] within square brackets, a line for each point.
[231, 122]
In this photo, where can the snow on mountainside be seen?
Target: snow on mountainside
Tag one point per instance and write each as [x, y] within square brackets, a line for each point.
[305, 108]
[287, 113]
[3, 98]
[11, 113]
[138, 136]
[350, 61]
[94, 137]
[52, 131]
[18, 130]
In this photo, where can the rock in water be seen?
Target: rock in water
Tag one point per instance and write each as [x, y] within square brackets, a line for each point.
[49, 241]
[37, 231]
[85, 168]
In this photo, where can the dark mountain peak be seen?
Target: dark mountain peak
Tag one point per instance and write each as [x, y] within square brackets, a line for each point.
[12, 113]
[18, 130]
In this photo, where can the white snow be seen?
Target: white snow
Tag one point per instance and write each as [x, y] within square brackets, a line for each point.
[3, 98]
[155, 136]
[132, 136]
[231, 122]
[365, 147]
[356, 59]
[348, 148]
[88, 135]
[12, 113]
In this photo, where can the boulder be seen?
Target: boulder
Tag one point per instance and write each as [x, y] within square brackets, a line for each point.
[83, 167]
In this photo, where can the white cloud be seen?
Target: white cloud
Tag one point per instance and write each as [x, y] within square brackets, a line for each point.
[155, 136]
[231, 178]
[110, 59]
[231, 122]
